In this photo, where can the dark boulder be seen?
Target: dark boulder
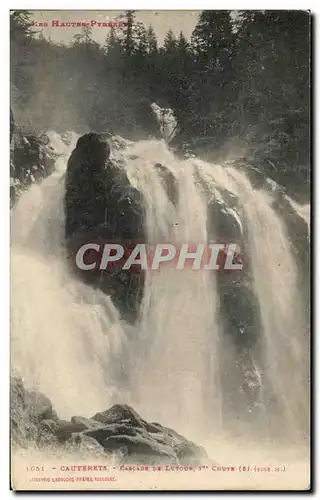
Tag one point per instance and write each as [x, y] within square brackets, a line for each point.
[143, 441]
[118, 413]
[99, 193]
[118, 432]
[102, 206]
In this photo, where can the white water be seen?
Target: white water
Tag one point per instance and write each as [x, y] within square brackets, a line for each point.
[65, 337]
[69, 342]
[283, 342]
[177, 374]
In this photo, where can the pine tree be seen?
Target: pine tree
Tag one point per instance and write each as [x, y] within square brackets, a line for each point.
[182, 45]
[152, 41]
[170, 43]
[245, 76]
[212, 41]
[22, 56]
[113, 48]
[212, 37]
[129, 39]
[272, 77]
[142, 39]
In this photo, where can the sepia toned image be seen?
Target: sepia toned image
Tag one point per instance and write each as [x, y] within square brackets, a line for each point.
[160, 185]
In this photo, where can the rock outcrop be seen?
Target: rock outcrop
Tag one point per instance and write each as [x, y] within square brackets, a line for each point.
[118, 432]
[102, 207]
[31, 159]
[99, 193]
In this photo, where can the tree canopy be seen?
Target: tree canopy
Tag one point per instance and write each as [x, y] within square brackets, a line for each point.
[240, 79]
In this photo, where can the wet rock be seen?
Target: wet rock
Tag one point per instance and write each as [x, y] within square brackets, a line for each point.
[141, 450]
[84, 447]
[40, 406]
[31, 160]
[65, 429]
[120, 413]
[117, 432]
[170, 183]
[86, 423]
[101, 205]
[99, 193]
[125, 428]
[103, 433]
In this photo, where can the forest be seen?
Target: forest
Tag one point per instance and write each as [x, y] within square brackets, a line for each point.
[239, 87]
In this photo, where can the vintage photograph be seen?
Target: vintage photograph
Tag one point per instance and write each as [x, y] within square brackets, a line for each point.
[160, 179]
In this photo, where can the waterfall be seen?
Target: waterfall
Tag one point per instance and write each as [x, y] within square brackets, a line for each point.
[69, 341]
[65, 337]
[283, 340]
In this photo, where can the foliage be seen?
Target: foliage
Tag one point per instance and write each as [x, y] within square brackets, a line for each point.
[241, 78]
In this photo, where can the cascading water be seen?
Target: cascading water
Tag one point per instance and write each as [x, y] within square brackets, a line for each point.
[176, 376]
[283, 339]
[69, 342]
[65, 336]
